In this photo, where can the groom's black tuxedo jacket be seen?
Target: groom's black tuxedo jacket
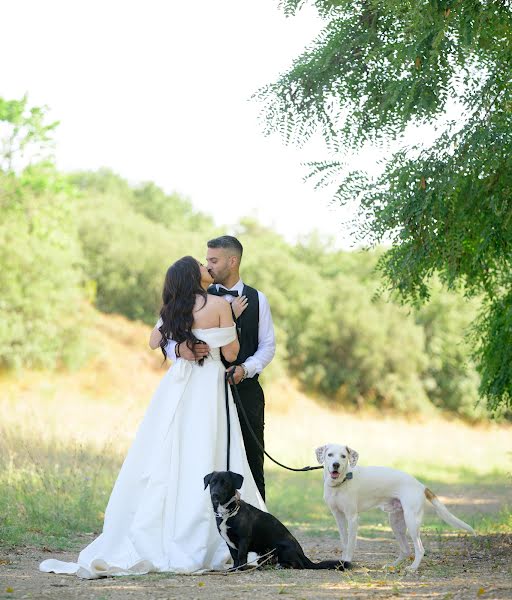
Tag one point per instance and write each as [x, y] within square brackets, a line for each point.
[247, 325]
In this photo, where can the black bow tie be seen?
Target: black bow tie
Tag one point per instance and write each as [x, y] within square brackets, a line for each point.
[222, 292]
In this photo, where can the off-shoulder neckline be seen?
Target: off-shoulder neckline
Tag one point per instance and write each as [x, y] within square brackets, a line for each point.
[210, 328]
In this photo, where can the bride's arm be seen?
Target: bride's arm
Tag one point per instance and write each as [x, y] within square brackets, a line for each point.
[200, 351]
[229, 351]
[156, 336]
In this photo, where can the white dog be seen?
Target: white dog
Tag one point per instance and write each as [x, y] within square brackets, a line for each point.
[349, 490]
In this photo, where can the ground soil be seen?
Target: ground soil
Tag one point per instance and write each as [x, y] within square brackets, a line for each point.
[455, 567]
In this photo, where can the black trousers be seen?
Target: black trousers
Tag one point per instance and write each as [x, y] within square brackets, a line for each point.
[253, 401]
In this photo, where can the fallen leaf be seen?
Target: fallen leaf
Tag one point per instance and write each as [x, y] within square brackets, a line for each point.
[480, 592]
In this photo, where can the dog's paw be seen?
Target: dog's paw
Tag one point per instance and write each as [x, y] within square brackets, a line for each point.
[241, 568]
[395, 566]
[411, 570]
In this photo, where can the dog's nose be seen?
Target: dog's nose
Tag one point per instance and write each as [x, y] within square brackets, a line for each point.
[336, 465]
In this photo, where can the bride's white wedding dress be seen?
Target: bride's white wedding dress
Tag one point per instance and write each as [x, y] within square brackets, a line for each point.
[159, 516]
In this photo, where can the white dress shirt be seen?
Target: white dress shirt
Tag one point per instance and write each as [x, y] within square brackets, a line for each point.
[266, 338]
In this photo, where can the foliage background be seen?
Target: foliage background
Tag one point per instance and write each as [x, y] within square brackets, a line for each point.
[86, 241]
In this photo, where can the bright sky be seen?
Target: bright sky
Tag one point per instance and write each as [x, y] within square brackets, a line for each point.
[159, 90]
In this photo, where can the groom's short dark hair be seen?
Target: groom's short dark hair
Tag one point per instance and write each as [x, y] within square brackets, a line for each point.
[228, 242]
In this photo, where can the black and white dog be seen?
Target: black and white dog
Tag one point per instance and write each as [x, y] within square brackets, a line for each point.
[246, 529]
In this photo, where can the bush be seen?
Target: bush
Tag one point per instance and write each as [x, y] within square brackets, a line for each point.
[127, 247]
[40, 278]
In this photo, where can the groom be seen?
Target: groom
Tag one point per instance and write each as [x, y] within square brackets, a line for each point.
[251, 313]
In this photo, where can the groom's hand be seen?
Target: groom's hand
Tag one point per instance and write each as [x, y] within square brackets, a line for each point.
[239, 305]
[199, 351]
[237, 375]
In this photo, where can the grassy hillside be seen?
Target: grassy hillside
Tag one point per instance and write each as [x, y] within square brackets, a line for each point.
[63, 437]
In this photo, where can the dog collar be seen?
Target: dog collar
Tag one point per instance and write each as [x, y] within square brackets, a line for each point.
[225, 514]
[348, 475]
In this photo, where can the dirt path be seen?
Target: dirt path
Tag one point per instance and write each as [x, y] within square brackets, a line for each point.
[454, 567]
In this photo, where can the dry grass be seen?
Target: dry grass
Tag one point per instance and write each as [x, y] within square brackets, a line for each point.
[296, 425]
[103, 403]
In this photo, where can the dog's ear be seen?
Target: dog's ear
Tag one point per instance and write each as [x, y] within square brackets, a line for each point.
[353, 456]
[207, 479]
[236, 480]
[320, 454]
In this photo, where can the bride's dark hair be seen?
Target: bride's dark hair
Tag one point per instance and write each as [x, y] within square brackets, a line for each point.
[181, 286]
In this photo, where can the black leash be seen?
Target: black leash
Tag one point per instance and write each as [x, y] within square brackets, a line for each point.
[236, 395]
[228, 422]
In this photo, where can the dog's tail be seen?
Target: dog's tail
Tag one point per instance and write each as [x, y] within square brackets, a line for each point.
[335, 565]
[445, 514]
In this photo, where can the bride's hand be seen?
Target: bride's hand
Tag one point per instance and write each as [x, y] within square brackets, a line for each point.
[238, 305]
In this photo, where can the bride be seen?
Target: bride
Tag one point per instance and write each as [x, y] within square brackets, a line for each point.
[159, 517]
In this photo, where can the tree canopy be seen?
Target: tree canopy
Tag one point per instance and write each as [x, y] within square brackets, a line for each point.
[379, 71]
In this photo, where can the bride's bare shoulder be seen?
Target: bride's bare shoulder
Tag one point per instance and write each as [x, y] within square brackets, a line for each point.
[210, 303]
[219, 304]
[214, 313]
[215, 300]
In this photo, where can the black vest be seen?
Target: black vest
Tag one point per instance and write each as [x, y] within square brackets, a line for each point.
[247, 327]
